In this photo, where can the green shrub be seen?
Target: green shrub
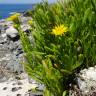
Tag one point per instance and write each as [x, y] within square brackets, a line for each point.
[64, 42]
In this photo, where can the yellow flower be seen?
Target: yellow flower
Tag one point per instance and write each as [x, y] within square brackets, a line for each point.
[30, 22]
[13, 17]
[59, 30]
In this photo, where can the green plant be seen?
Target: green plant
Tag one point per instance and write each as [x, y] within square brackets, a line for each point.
[53, 59]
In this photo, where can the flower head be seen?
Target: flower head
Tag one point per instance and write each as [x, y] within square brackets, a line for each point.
[59, 30]
[13, 17]
[30, 22]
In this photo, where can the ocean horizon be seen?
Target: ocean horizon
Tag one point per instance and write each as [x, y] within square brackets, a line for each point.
[8, 9]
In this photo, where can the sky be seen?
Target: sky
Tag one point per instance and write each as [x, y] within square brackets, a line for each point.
[22, 1]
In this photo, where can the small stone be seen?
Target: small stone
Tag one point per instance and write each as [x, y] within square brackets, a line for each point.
[4, 88]
[83, 71]
[40, 87]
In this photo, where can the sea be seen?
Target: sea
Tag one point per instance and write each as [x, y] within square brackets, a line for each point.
[8, 9]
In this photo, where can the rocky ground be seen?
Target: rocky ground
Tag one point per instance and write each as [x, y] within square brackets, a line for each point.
[13, 79]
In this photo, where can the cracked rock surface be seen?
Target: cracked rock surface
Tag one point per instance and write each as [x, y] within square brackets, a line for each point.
[13, 79]
[86, 83]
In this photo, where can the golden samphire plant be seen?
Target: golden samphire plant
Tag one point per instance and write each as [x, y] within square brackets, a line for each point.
[63, 43]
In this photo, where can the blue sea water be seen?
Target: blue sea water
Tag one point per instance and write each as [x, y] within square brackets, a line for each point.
[6, 9]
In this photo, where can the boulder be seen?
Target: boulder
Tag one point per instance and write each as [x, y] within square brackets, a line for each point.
[12, 32]
[86, 83]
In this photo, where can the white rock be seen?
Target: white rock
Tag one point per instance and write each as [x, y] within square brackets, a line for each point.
[25, 27]
[81, 83]
[12, 32]
[95, 67]
[3, 35]
[86, 80]
[91, 74]
[9, 84]
[83, 71]
[91, 68]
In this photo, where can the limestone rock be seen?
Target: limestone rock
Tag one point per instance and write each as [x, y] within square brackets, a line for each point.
[86, 82]
[12, 32]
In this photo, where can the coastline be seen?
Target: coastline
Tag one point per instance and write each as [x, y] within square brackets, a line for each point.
[6, 9]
